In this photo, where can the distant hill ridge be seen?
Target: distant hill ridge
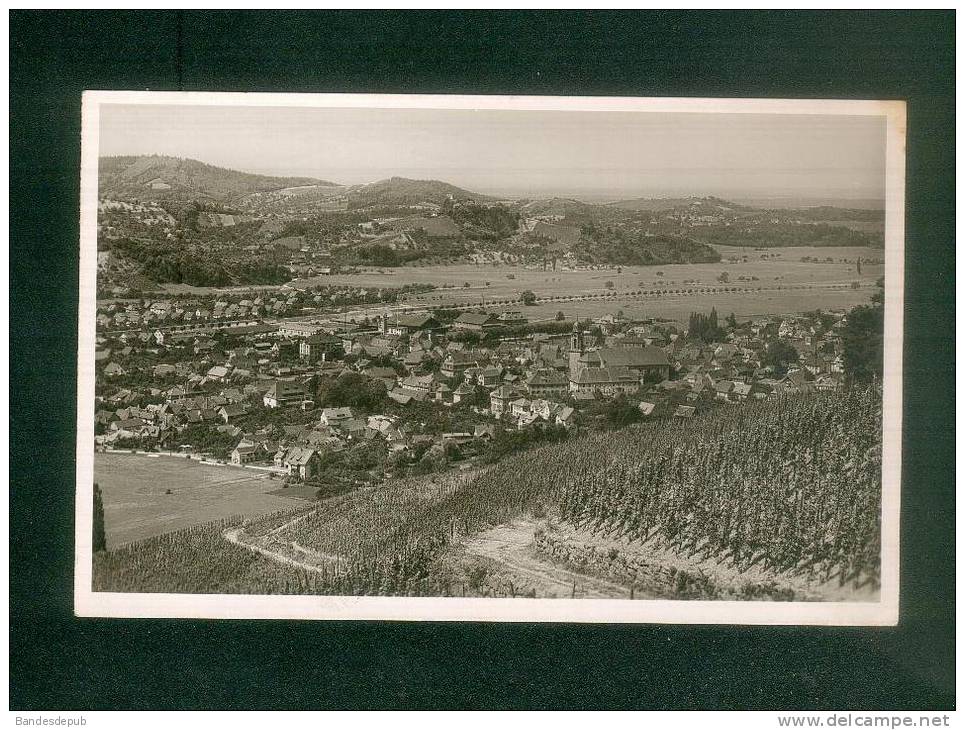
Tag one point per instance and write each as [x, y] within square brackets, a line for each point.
[406, 191]
[709, 204]
[164, 177]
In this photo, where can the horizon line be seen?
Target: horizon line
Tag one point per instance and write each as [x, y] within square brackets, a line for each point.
[613, 194]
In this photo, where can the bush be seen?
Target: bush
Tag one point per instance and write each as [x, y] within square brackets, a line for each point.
[477, 577]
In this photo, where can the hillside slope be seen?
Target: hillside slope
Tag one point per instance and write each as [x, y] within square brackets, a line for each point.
[159, 177]
[405, 191]
[787, 489]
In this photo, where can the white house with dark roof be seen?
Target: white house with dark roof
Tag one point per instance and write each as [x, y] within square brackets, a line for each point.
[283, 393]
[247, 452]
[404, 325]
[336, 416]
[298, 462]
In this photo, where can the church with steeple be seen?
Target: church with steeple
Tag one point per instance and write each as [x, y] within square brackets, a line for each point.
[577, 348]
[612, 370]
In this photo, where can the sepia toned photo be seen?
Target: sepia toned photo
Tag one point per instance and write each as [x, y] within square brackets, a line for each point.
[490, 358]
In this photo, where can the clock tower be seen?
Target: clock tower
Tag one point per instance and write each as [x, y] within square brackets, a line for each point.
[577, 347]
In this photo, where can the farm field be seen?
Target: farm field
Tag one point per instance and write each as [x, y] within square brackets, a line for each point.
[781, 262]
[664, 306]
[136, 505]
[782, 266]
[679, 307]
[779, 284]
[830, 284]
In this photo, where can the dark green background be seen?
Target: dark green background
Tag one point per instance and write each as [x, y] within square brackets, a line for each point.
[58, 661]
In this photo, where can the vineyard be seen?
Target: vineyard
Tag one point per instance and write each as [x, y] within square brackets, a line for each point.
[790, 486]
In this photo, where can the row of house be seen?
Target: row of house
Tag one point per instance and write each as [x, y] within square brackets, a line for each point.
[542, 378]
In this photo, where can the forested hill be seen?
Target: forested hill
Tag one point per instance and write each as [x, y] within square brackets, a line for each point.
[158, 177]
[405, 191]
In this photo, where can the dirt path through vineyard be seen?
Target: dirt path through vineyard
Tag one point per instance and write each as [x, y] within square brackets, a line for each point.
[506, 551]
[510, 547]
[235, 535]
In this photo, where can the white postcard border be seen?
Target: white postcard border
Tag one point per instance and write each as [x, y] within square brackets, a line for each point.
[240, 606]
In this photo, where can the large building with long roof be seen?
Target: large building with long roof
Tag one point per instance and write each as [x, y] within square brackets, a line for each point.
[613, 370]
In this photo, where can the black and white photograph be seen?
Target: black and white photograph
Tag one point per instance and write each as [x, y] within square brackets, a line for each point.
[504, 360]
[531, 359]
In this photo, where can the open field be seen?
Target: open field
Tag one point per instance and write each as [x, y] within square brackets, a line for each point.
[679, 307]
[136, 505]
[661, 305]
[780, 284]
[781, 276]
[780, 262]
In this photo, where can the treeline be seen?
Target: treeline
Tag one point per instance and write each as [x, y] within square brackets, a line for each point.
[385, 256]
[616, 245]
[863, 339]
[777, 235]
[486, 222]
[203, 439]
[354, 390]
[322, 226]
[705, 327]
[494, 334]
[176, 263]
[507, 443]
[829, 213]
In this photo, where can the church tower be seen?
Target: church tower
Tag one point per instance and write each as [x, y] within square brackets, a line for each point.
[576, 348]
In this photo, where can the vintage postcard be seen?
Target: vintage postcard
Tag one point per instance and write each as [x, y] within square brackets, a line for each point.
[490, 358]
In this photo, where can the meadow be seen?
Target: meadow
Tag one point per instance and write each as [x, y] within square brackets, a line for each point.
[146, 496]
[786, 283]
[491, 285]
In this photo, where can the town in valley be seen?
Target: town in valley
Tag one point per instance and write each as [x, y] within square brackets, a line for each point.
[406, 387]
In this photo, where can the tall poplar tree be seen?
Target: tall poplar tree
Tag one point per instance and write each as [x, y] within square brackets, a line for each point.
[99, 540]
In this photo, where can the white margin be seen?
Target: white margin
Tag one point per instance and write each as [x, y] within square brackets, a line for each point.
[164, 605]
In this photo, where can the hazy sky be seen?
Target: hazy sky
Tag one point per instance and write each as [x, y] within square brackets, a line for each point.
[613, 154]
